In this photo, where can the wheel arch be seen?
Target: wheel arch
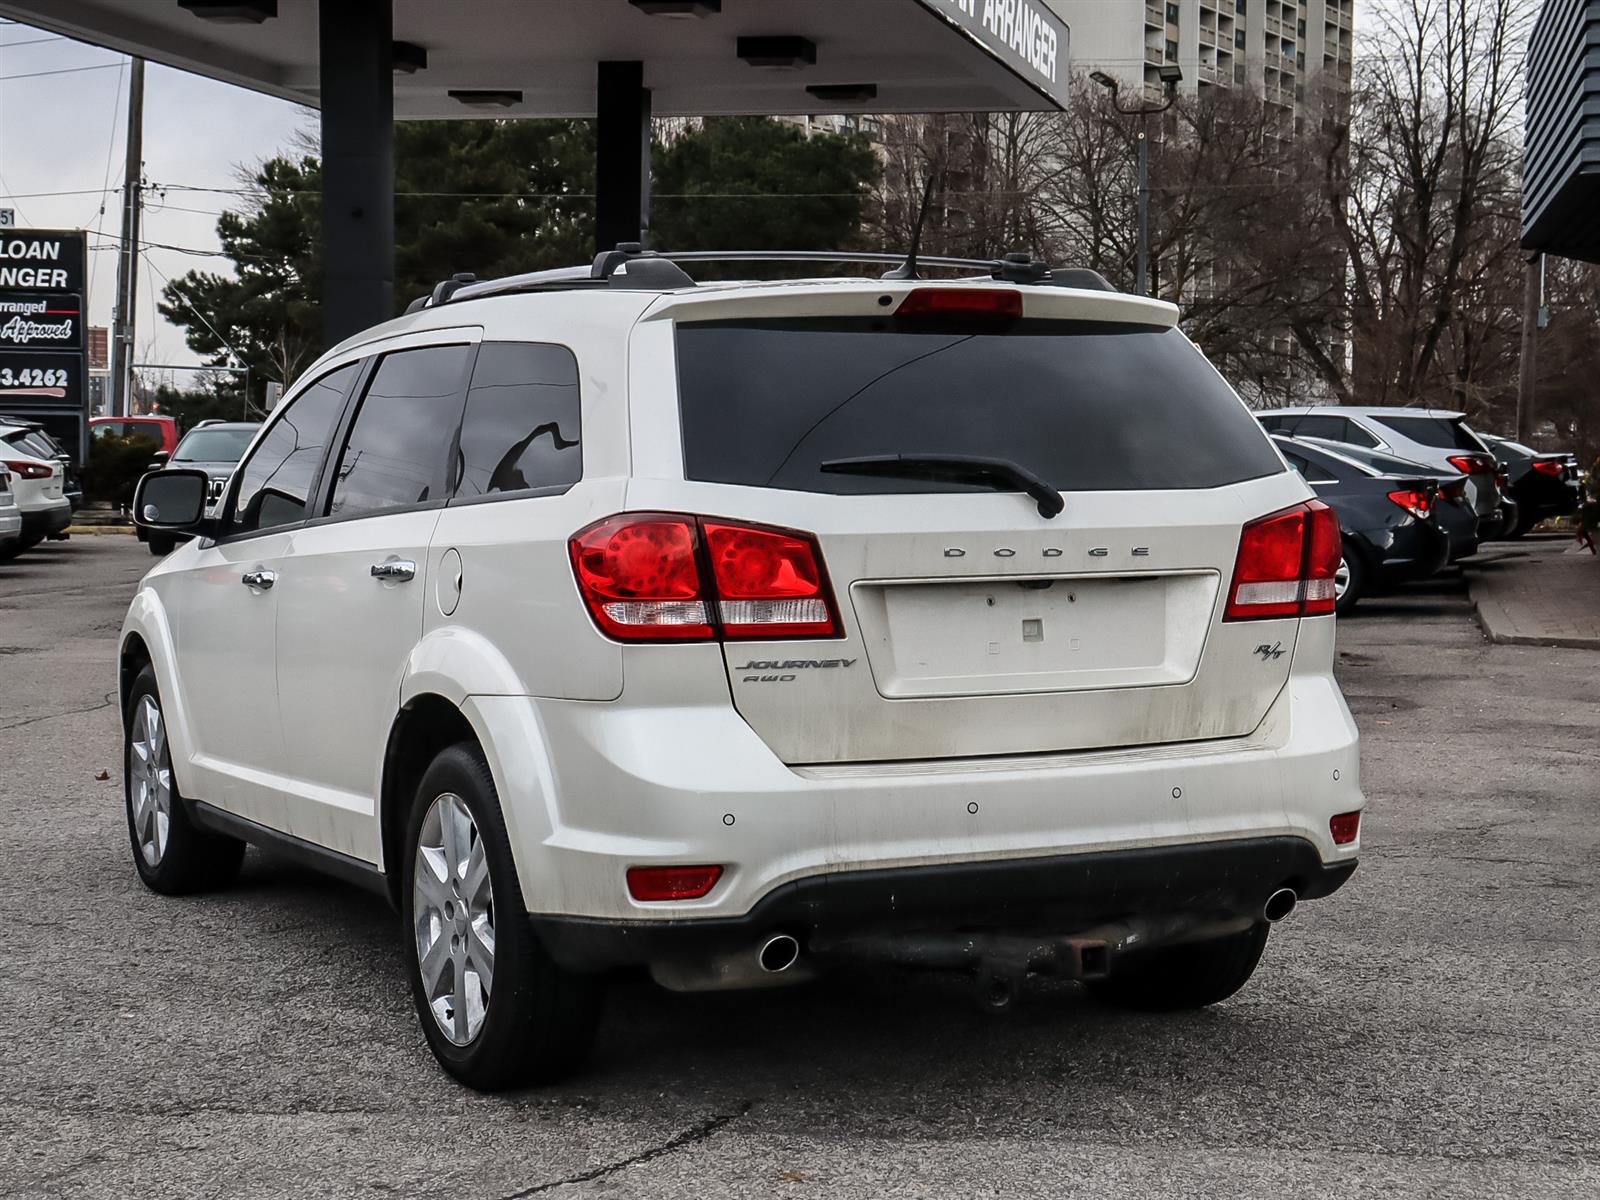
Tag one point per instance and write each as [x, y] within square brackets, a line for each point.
[133, 657]
[427, 724]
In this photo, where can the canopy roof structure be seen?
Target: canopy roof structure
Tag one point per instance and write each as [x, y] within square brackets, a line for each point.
[366, 62]
[911, 55]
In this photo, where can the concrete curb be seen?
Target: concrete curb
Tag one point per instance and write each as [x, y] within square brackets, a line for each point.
[1500, 626]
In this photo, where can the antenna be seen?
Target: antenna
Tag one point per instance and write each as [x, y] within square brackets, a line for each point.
[908, 269]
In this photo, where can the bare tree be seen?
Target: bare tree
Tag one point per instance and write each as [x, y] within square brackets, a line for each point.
[1412, 178]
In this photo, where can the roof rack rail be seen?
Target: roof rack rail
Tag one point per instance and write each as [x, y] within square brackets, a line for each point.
[631, 266]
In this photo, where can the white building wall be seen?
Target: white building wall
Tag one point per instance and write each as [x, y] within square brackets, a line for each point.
[1279, 46]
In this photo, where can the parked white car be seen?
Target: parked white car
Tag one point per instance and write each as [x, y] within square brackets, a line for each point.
[37, 483]
[1432, 436]
[10, 515]
[735, 631]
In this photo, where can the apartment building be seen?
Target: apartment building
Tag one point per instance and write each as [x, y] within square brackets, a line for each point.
[1276, 46]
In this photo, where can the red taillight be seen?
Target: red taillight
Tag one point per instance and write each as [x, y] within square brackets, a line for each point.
[1286, 565]
[1472, 464]
[769, 582]
[674, 883]
[961, 302]
[30, 470]
[1418, 504]
[1546, 467]
[1344, 828]
[641, 576]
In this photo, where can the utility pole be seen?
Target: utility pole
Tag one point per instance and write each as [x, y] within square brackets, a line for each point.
[128, 253]
[1527, 365]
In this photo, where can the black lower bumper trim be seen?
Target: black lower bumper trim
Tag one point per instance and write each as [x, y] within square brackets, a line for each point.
[1062, 894]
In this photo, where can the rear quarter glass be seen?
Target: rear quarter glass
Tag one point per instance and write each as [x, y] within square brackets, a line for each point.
[1086, 406]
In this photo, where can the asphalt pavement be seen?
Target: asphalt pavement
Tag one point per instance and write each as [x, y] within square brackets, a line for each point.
[1431, 1030]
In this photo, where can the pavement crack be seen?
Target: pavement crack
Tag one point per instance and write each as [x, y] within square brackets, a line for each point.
[107, 702]
[692, 1136]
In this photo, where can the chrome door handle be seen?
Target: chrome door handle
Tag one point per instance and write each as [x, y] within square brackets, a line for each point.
[394, 570]
[259, 579]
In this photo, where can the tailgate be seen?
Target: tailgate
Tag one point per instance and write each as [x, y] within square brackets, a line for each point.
[1088, 635]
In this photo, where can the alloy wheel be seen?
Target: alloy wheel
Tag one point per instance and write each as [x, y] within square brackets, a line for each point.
[453, 909]
[1341, 579]
[150, 781]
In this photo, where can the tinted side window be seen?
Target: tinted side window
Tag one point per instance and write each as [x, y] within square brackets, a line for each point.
[1313, 471]
[1357, 436]
[396, 450]
[521, 428]
[1314, 425]
[275, 483]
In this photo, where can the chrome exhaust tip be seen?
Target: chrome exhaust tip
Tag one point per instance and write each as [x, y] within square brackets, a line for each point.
[1279, 905]
[778, 953]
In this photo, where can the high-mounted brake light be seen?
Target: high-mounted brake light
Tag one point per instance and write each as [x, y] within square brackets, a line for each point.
[1472, 464]
[1550, 467]
[1000, 303]
[674, 577]
[1286, 565]
[1418, 504]
[672, 883]
[30, 470]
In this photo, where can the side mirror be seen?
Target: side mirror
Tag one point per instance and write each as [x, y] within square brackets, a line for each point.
[170, 500]
[159, 460]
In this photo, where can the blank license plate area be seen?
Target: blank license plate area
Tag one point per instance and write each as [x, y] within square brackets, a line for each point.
[997, 637]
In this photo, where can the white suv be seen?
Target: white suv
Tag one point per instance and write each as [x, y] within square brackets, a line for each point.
[599, 619]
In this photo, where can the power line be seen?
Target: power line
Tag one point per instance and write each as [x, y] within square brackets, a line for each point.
[55, 37]
[61, 71]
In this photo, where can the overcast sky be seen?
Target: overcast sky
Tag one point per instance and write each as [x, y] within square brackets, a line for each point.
[63, 134]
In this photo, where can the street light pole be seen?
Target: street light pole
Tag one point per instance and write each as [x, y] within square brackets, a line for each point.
[1171, 75]
[1143, 286]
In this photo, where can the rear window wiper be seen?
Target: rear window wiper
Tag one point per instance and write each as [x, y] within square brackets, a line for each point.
[1001, 474]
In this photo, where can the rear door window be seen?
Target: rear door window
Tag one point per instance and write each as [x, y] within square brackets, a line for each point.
[1086, 406]
[395, 454]
[1442, 433]
[520, 431]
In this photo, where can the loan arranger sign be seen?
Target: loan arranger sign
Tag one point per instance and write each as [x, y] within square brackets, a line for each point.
[42, 344]
[41, 260]
[41, 321]
[1026, 35]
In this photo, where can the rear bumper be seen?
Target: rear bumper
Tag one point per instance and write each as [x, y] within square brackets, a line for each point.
[1059, 895]
[590, 789]
[42, 522]
[1414, 550]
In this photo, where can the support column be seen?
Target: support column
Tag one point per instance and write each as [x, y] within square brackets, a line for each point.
[357, 164]
[622, 156]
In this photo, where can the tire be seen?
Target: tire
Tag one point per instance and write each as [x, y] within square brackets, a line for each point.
[161, 544]
[532, 1022]
[182, 858]
[1353, 568]
[1188, 976]
[10, 550]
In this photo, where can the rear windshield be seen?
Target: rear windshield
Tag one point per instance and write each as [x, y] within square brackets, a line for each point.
[1086, 406]
[214, 445]
[1443, 433]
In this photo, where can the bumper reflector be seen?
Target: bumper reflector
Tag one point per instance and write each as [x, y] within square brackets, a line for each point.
[672, 883]
[1344, 828]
